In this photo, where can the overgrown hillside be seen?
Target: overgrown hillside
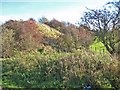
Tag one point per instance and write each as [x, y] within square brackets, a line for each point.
[55, 55]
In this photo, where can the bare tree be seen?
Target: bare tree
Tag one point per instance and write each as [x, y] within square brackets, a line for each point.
[106, 23]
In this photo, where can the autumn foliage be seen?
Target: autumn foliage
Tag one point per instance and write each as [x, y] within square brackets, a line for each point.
[20, 35]
[24, 27]
[73, 37]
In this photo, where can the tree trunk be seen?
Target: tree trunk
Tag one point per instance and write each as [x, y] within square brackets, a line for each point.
[108, 48]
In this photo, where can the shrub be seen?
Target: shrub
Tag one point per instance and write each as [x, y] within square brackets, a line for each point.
[21, 35]
[55, 71]
[8, 42]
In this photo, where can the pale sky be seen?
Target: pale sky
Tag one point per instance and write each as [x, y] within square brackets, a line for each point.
[63, 10]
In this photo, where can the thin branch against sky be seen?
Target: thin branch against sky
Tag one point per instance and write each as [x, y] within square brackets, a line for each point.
[65, 10]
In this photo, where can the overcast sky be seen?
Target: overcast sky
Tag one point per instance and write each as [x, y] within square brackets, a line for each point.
[63, 10]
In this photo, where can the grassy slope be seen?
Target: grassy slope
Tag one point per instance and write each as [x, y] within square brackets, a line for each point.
[48, 31]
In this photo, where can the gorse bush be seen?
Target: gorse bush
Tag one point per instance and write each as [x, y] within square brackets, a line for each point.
[54, 70]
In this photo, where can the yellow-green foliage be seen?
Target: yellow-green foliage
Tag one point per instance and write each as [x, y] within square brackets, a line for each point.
[98, 46]
[48, 31]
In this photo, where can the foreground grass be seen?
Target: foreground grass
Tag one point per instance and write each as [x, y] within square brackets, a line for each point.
[60, 70]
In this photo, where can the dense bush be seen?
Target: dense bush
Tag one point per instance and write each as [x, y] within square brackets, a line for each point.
[8, 42]
[24, 27]
[73, 70]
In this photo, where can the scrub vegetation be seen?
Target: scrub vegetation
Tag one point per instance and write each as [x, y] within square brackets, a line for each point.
[56, 54]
